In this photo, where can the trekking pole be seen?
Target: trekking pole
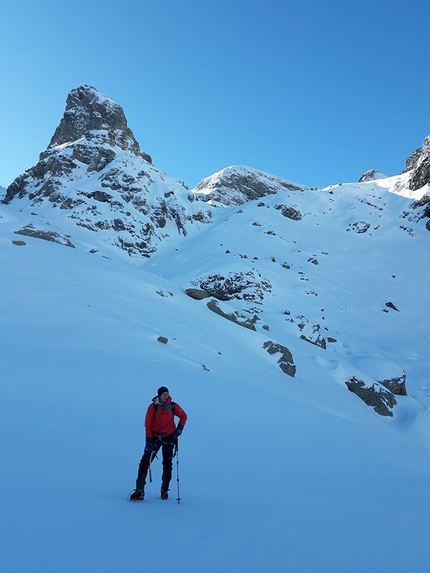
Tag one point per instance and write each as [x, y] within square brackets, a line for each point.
[177, 470]
[149, 468]
[152, 455]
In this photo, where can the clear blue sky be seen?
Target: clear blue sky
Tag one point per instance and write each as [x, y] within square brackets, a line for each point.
[310, 90]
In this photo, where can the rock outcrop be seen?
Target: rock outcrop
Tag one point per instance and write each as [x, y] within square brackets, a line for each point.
[375, 395]
[285, 361]
[249, 286]
[235, 316]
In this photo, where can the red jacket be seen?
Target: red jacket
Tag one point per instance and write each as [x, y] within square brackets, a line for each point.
[160, 420]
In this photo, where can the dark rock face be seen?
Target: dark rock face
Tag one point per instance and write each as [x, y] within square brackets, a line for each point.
[86, 111]
[197, 294]
[396, 385]
[54, 237]
[418, 163]
[377, 397]
[420, 210]
[249, 286]
[290, 212]
[235, 316]
[286, 361]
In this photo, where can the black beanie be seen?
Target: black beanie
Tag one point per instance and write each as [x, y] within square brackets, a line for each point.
[161, 390]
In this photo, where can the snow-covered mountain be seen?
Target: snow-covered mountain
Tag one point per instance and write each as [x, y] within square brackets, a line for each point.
[290, 323]
[94, 188]
[95, 177]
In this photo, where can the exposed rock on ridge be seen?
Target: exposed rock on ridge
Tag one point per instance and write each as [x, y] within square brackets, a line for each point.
[371, 175]
[418, 163]
[87, 110]
[417, 170]
[237, 185]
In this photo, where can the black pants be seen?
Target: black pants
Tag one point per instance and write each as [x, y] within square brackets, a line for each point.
[167, 445]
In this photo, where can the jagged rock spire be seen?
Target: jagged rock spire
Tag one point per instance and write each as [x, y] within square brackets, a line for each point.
[97, 179]
[87, 111]
[91, 130]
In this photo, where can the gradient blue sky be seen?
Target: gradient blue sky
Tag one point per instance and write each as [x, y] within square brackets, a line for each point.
[313, 91]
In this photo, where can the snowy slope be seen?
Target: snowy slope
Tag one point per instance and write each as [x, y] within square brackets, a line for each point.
[256, 302]
[276, 473]
[336, 276]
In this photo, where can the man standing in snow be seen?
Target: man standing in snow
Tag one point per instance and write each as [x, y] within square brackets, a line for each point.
[161, 432]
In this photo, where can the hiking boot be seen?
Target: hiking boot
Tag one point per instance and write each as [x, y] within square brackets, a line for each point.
[136, 495]
[164, 493]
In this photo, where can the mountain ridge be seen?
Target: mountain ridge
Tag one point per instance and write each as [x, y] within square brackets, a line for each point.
[94, 171]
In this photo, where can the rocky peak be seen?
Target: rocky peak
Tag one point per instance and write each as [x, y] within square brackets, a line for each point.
[93, 129]
[418, 163]
[238, 184]
[89, 111]
[93, 178]
[371, 175]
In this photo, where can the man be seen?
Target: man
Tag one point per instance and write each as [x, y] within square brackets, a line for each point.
[161, 432]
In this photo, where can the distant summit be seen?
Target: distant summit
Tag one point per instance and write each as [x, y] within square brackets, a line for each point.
[371, 175]
[239, 184]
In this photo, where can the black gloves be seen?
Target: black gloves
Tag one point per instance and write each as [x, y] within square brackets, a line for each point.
[178, 430]
[149, 445]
